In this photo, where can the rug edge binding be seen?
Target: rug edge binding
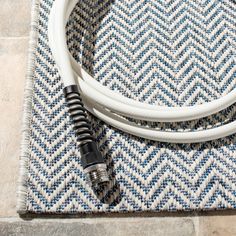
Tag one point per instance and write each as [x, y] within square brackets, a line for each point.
[22, 188]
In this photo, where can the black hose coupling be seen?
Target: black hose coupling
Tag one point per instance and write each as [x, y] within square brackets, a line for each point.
[94, 167]
[91, 159]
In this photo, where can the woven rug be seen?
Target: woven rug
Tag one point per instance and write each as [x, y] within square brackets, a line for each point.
[162, 52]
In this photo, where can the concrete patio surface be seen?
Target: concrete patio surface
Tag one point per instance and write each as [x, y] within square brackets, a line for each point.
[14, 38]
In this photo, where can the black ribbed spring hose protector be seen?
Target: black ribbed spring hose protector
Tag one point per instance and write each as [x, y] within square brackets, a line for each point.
[90, 154]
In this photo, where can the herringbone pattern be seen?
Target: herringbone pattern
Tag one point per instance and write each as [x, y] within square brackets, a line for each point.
[171, 53]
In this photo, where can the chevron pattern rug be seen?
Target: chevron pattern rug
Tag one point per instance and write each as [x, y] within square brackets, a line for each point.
[174, 53]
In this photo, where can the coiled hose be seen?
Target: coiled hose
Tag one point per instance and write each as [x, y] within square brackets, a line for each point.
[112, 107]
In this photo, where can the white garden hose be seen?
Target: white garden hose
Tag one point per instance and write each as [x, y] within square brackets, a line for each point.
[110, 106]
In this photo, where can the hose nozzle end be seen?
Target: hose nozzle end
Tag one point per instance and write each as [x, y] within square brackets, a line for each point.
[94, 166]
[96, 175]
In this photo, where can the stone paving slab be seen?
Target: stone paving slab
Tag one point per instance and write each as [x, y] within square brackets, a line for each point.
[13, 57]
[99, 227]
[14, 18]
[217, 223]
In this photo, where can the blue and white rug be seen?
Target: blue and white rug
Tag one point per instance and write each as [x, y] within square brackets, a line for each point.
[173, 53]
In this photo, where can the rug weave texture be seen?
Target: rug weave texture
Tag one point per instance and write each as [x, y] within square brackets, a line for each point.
[172, 53]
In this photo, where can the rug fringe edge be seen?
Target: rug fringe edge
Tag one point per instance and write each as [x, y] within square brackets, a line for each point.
[22, 190]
